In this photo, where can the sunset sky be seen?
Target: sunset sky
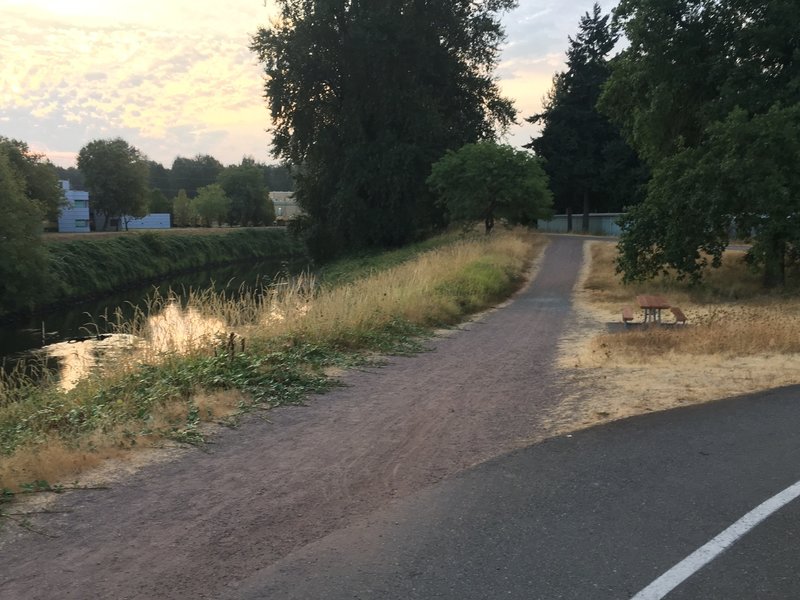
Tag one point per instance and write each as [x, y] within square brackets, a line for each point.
[175, 77]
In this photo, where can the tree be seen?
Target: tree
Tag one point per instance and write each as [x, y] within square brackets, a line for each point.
[157, 202]
[38, 176]
[365, 96]
[278, 178]
[182, 210]
[487, 181]
[160, 178]
[73, 175]
[211, 204]
[22, 257]
[190, 174]
[702, 93]
[589, 164]
[116, 178]
[248, 196]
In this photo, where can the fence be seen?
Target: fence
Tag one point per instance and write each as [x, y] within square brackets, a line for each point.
[599, 224]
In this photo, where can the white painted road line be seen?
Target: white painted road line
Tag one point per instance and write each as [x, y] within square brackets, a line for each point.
[704, 555]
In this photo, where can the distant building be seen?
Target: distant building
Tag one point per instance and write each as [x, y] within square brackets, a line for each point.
[286, 207]
[74, 217]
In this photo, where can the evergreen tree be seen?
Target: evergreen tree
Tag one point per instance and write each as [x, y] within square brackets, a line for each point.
[590, 166]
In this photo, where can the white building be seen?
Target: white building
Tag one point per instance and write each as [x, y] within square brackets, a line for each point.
[286, 207]
[74, 217]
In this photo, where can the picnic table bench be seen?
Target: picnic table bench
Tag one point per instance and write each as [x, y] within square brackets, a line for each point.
[652, 305]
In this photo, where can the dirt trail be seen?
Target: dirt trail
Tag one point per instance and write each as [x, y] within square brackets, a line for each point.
[195, 526]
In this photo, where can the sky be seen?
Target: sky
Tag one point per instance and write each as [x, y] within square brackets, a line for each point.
[176, 77]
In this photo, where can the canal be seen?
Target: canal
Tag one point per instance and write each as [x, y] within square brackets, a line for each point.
[20, 338]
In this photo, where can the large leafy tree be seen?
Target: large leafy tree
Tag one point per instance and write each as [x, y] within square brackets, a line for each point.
[365, 96]
[591, 168]
[116, 178]
[708, 92]
[38, 176]
[248, 196]
[486, 181]
[22, 257]
[190, 174]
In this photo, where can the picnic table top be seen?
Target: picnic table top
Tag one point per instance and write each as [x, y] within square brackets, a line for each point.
[650, 301]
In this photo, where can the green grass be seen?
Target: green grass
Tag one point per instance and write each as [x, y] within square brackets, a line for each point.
[86, 267]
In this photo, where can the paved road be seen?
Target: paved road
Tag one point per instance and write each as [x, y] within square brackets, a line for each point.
[596, 515]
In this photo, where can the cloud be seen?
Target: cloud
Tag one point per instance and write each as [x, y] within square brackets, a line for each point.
[177, 77]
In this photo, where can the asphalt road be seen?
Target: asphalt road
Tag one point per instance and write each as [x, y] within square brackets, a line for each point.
[598, 514]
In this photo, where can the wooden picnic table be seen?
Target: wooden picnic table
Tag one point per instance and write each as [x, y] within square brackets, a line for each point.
[652, 306]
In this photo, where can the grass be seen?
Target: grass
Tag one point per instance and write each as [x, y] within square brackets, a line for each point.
[264, 348]
[86, 266]
[730, 314]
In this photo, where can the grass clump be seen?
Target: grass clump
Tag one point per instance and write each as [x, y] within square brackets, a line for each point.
[173, 367]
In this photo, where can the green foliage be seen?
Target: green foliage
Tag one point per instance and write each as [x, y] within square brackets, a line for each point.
[211, 205]
[708, 93]
[38, 177]
[68, 269]
[248, 197]
[157, 202]
[487, 181]
[138, 257]
[116, 177]
[364, 97]
[190, 174]
[590, 166]
[182, 213]
[22, 258]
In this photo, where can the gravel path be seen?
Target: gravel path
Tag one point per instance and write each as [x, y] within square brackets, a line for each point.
[196, 526]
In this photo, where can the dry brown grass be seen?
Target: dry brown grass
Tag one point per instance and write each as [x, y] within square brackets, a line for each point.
[739, 339]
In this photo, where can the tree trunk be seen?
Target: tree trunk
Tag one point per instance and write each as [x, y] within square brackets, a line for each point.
[569, 220]
[774, 262]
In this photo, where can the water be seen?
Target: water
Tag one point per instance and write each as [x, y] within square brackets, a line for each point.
[76, 321]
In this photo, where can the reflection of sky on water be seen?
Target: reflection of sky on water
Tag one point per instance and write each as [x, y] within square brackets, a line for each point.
[174, 330]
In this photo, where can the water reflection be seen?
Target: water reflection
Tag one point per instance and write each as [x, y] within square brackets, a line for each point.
[173, 330]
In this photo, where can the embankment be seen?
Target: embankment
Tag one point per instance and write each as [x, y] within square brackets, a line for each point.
[86, 267]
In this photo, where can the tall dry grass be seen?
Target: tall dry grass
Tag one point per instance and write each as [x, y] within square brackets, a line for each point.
[730, 314]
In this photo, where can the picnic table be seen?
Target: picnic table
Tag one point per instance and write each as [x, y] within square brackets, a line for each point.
[652, 306]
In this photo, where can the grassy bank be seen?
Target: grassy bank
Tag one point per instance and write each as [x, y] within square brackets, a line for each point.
[88, 266]
[267, 348]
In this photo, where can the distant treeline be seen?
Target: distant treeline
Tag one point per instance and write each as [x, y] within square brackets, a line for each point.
[189, 174]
